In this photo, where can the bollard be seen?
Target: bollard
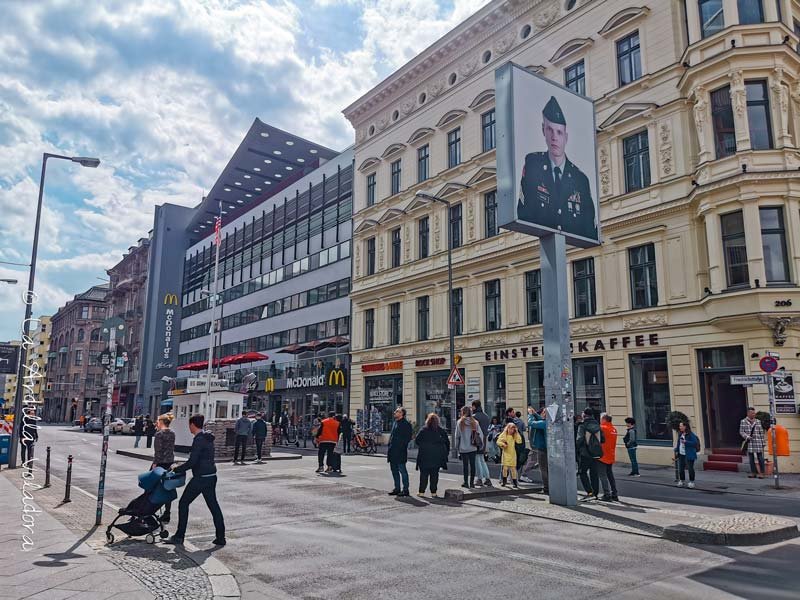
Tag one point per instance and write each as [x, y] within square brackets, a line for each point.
[47, 469]
[69, 479]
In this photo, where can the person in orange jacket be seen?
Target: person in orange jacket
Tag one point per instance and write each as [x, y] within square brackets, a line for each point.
[606, 462]
[327, 436]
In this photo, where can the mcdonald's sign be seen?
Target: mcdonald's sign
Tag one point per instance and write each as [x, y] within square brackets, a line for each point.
[337, 377]
[170, 299]
[269, 385]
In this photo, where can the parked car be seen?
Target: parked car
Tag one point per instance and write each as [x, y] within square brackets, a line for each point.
[124, 426]
[94, 424]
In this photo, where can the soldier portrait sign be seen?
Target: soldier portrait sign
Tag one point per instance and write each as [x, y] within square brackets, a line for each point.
[546, 159]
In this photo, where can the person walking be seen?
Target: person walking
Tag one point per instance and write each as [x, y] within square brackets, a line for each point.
[507, 441]
[495, 429]
[469, 441]
[347, 433]
[149, 430]
[204, 481]
[686, 452]
[589, 447]
[752, 433]
[605, 465]
[138, 430]
[433, 448]
[259, 435]
[28, 436]
[537, 427]
[327, 436]
[164, 454]
[242, 428]
[631, 441]
[481, 468]
[397, 452]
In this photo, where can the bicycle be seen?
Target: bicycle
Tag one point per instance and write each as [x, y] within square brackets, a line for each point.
[365, 442]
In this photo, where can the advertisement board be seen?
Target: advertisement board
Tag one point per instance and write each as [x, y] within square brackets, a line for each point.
[546, 158]
[8, 359]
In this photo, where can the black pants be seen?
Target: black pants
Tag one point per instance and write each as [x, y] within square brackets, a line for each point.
[346, 440]
[468, 462]
[590, 479]
[425, 475]
[259, 447]
[26, 453]
[207, 486]
[168, 505]
[682, 464]
[149, 441]
[326, 448]
[606, 475]
[241, 442]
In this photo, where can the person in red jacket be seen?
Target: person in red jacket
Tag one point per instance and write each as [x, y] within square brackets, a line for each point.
[605, 463]
[327, 436]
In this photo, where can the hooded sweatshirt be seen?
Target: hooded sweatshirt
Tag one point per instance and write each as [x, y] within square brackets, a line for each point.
[201, 457]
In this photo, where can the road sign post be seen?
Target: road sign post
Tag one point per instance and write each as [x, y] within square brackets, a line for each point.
[769, 364]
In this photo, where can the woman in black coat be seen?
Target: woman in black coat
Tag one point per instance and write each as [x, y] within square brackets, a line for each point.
[433, 449]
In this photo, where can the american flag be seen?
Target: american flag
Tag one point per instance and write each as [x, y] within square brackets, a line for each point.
[217, 227]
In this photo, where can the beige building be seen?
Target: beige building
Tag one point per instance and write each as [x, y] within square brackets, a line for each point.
[40, 337]
[697, 130]
[9, 388]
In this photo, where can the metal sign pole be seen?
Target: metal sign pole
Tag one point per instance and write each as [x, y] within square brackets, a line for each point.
[558, 372]
[773, 421]
[112, 327]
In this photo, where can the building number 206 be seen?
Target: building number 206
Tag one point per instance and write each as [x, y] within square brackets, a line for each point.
[783, 302]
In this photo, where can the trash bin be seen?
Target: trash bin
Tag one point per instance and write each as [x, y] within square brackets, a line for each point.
[5, 445]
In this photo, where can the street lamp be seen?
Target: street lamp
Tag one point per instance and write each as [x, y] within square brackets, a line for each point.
[450, 316]
[26, 324]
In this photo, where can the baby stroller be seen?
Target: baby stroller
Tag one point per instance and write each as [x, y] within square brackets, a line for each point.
[159, 487]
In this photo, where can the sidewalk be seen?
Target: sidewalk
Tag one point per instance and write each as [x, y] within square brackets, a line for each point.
[66, 536]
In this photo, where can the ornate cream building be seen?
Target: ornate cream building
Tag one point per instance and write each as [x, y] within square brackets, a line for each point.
[697, 106]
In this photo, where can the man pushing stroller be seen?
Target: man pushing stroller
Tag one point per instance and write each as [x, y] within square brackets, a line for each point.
[204, 481]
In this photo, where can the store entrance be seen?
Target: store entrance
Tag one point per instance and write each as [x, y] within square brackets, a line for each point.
[723, 404]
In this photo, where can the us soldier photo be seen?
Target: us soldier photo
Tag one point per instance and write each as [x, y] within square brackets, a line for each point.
[555, 193]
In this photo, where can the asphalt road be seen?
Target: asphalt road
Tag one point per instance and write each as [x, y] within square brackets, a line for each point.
[295, 534]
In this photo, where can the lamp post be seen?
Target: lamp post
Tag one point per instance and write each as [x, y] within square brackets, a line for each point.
[450, 315]
[26, 324]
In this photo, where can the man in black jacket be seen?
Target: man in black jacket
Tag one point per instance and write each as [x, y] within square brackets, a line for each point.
[204, 481]
[588, 442]
[138, 430]
[397, 454]
[259, 435]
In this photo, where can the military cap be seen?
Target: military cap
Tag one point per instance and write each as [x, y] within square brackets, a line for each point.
[552, 112]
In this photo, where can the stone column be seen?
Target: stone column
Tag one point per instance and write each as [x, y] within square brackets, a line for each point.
[701, 123]
[780, 108]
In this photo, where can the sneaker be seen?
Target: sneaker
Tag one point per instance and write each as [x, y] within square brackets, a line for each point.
[403, 494]
[394, 493]
[219, 542]
[691, 484]
[319, 470]
[465, 485]
[606, 498]
[615, 498]
[259, 462]
[434, 495]
[421, 494]
[525, 479]
[175, 541]
[680, 484]
[487, 482]
[635, 475]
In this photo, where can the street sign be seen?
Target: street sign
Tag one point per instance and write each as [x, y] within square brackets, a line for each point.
[455, 377]
[105, 358]
[748, 379]
[120, 362]
[774, 355]
[768, 364]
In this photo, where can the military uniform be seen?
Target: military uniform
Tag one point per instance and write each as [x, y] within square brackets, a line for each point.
[556, 197]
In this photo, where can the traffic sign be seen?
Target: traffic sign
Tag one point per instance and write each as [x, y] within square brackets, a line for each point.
[768, 364]
[748, 379]
[455, 377]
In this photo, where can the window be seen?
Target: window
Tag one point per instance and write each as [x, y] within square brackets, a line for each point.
[84, 312]
[423, 310]
[454, 147]
[758, 115]
[488, 130]
[734, 248]
[396, 177]
[644, 287]
[371, 189]
[650, 396]
[533, 296]
[588, 388]
[394, 323]
[490, 213]
[750, 11]
[396, 247]
[773, 240]
[371, 256]
[95, 335]
[455, 226]
[575, 78]
[583, 282]
[423, 227]
[629, 59]
[712, 18]
[458, 311]
[423, 161]
[722, 120]
[81, 335]
[369, 328]
[78, 358]
[636, 156]
[492, 291]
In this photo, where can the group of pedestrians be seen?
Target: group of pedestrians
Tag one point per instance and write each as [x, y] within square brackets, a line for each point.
[144, 426]
[245, 427]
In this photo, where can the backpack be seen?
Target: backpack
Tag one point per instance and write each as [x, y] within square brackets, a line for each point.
[593, 446]
[476, 440]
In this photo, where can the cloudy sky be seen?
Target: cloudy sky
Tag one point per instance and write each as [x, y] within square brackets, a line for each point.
[162, 91]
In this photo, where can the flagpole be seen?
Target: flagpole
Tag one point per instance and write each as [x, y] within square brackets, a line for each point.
[207, 413]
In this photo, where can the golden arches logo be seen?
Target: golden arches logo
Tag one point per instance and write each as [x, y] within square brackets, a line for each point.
[170, 299]
[269, 385]
[337, 377]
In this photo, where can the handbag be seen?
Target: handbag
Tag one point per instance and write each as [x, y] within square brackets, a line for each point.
[339, 448]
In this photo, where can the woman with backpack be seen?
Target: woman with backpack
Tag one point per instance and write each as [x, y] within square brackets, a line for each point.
[433, 449]
[469, 441]
[508, 442]
[686, 452]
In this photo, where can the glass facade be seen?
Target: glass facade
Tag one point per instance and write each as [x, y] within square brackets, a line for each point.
[494, 390]
[588, 384]
[433, 396]
[534, 377]
[650, 396]
[384, 393]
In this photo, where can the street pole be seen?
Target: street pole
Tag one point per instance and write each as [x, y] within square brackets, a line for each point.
[558, 372]
[112, 375]
[451, 329]
[773, 421]
[207, 413]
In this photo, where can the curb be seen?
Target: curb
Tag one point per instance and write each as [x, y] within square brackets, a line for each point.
[140, 456]
[456, 495]
[758, 530]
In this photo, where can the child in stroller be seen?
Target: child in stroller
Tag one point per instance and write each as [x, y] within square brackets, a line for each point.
[145, 511]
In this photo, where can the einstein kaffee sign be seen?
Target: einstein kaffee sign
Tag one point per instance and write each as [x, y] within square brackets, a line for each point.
[621, 342]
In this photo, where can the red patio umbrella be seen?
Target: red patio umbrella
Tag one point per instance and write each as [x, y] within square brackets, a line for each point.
[337, 341]
[193, 366]
[295, 349]
[244, 357]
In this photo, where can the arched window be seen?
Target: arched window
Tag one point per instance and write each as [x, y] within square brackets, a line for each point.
[95, 335]
[81, 335]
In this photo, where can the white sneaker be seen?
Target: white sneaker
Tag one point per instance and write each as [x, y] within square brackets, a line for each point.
[680, 484]
[691, 484]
